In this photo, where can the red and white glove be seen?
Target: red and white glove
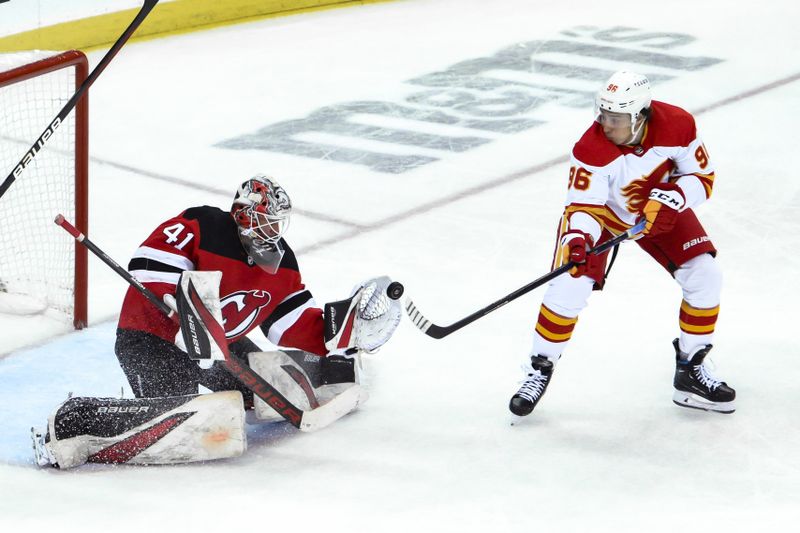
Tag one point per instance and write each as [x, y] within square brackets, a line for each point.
[575, 244]
[662, 208]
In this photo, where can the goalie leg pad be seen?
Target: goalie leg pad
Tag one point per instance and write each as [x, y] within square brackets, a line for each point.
[177, 429]
[307, 380]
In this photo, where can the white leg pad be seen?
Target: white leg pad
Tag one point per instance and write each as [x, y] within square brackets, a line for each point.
[301, 385]
[184, 429]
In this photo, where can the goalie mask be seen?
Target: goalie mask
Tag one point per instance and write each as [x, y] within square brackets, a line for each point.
[261, 210]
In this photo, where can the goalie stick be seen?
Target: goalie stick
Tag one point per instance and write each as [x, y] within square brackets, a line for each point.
[29, 156]
[303, 420]
[438, 332]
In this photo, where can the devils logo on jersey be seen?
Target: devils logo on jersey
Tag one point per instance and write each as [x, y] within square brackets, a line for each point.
[240, 309]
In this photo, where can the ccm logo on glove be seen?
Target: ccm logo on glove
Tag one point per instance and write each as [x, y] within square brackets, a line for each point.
[670, 198]
[662, 208]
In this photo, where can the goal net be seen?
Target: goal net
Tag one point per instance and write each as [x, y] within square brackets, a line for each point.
[42, 269]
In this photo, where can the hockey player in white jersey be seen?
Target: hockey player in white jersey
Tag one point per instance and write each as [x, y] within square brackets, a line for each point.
[640, 158]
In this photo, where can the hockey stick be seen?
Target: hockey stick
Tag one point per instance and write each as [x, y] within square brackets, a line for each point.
[72, 102]
[438, 332]
[303, 420]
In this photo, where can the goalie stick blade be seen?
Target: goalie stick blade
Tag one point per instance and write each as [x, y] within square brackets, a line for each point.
[426, 326]
[335, 409]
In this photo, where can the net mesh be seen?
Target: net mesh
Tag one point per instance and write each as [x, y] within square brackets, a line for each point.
[37, 260]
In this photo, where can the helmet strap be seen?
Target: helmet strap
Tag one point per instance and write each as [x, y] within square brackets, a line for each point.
[636, 131]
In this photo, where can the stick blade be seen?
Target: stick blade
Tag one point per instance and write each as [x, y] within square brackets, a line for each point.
[416, 317]
[330, 412]
[426, 326]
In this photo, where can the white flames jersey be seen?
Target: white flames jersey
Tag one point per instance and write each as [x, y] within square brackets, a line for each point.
[611, 183]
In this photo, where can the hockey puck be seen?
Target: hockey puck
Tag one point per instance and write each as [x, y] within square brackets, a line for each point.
[395, 290]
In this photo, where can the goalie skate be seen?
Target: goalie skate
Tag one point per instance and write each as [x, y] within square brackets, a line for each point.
[41, 455]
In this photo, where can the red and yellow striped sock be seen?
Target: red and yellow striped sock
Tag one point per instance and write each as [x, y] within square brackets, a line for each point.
[694, 321]
[553, 327]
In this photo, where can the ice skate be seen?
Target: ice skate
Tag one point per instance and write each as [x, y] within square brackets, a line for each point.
[41, 454]
[697, 388]
[538, 375]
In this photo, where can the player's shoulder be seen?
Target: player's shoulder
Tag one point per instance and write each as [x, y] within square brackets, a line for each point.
[219, 235]
[671, 125]
[217, 231]
[594, 149]
[206, 214]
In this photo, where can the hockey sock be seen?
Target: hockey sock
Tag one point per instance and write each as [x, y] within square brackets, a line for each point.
[697, 327]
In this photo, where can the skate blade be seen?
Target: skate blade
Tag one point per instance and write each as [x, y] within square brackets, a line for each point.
[515, 420]
[693, 401]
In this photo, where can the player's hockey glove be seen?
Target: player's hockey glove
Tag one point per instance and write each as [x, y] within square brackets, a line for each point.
[575, 244]
[662, 208]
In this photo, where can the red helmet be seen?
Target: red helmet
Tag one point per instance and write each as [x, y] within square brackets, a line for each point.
[261, 209]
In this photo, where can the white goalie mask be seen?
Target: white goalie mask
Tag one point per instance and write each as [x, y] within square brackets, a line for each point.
[261, 210]
[625, 93]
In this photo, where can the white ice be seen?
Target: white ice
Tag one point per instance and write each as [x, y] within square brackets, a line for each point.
[606, 450]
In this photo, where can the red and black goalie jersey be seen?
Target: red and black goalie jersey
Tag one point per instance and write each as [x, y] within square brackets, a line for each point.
[206, 238]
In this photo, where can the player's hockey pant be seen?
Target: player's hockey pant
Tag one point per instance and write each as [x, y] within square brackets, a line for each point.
[157, 368]
[698, 275]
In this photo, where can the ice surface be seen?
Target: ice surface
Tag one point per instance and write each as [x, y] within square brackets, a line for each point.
[432, 450]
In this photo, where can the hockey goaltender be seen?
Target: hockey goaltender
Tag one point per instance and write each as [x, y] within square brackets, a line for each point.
[230, 272]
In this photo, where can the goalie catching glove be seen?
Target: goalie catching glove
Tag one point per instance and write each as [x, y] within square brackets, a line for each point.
[364, 321]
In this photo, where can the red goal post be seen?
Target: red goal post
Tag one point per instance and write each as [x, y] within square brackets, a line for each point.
[39, 272]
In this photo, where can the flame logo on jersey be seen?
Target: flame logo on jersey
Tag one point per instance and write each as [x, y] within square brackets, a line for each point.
[240, 309]
[638, 191]
[636, 194]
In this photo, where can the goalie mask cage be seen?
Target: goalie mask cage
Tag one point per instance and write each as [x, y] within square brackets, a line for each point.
[40, 269]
